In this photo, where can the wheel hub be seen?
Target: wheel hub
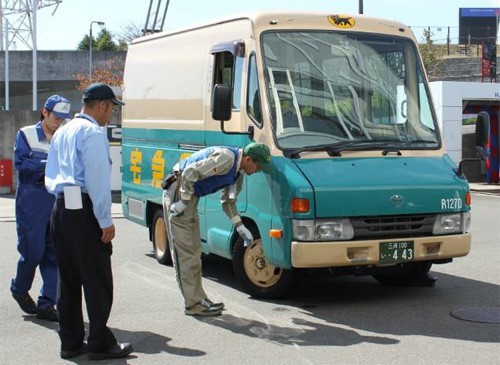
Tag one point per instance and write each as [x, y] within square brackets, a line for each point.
[258, 269]
[260, 263]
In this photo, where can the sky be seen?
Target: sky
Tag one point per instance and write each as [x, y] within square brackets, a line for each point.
[65, 28]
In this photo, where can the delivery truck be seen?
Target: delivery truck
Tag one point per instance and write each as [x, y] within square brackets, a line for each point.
[360, 182]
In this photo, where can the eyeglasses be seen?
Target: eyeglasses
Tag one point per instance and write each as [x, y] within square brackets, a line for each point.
[116, 108]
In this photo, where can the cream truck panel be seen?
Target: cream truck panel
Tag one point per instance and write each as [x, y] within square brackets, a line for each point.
[152, 102]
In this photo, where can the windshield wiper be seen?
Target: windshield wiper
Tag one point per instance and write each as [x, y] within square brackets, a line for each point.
[333, 149]
[295, 153]
[410, 141]
[391, 150]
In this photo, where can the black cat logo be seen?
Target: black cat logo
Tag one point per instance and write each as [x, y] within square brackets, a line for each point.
[341, 21]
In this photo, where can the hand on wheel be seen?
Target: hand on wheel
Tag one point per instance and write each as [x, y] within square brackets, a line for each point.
[245, 233]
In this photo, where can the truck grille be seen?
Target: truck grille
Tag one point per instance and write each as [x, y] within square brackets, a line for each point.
[393, 226]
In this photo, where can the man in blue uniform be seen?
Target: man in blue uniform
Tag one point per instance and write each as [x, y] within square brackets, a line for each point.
[79, 173]
[33, 207]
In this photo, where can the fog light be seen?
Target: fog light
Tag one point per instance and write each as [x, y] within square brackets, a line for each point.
[357, 253]
[432, 248]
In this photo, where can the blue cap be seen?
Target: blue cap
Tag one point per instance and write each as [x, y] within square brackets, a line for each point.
[58, 105]
[100, 91]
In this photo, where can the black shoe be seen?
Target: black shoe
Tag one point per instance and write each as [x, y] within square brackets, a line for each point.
[202, 308]
[68, 354]
[216, 306]
[25, 302]
[49, 313]
[118, 351]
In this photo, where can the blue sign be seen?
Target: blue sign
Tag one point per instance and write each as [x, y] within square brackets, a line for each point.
[480, 12]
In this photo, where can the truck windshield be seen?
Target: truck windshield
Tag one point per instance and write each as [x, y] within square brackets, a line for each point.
[329, 88]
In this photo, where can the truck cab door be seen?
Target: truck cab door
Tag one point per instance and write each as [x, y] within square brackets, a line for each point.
[227, 69]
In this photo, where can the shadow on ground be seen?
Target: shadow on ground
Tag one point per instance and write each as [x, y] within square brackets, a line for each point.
[361, 303]
[144, 342]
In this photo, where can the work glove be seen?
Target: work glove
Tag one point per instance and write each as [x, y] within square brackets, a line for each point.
[177, 208]
[245, 234]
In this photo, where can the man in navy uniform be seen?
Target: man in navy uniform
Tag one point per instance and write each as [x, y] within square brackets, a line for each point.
[33, 208]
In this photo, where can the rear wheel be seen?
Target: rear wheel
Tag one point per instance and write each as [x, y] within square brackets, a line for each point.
[160, 239]
[257, 275]
[415, 272]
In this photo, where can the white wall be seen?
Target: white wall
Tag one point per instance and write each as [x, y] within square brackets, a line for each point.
[448, 97]
[116, 159]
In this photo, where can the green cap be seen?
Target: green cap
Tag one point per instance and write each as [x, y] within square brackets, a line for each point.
[259, 153]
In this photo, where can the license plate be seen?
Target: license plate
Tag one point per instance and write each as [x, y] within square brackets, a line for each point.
[391, 252]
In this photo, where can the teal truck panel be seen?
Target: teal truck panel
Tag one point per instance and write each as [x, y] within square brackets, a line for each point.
[350, 187]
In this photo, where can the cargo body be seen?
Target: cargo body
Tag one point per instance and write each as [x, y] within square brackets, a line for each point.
[360, 181]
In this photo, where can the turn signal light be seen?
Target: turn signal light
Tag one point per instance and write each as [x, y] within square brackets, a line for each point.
[276, 233]
[300, 205]
[468, 199]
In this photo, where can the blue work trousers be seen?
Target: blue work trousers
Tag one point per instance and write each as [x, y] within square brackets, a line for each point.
[33, 209]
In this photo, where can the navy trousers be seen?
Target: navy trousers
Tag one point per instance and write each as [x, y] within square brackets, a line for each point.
[33, 209]
[84, 262]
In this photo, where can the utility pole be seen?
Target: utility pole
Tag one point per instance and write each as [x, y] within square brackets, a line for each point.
[18, 19]
[101, 24]
[34, 6]
[360, 6]
[7, 68]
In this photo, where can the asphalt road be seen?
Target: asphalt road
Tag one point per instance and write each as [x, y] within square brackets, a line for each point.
[342, 320]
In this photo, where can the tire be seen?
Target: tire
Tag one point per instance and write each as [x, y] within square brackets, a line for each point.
[413, 273]
[256, 275]
[161, 245]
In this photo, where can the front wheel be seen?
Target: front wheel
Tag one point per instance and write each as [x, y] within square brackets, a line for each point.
[160, 239]
[258, 277]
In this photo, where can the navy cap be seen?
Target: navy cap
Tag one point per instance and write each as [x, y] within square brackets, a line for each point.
[58, 105]
[100, 91]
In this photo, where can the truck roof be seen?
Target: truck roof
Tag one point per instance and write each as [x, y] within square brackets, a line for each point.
[286, 19]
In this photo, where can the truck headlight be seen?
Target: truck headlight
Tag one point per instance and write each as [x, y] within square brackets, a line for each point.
[322, 230]
[303, 230]
[451, 223]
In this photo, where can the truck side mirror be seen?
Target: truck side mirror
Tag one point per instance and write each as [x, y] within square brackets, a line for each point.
[222, 108]
[221, 102]
[482, 131]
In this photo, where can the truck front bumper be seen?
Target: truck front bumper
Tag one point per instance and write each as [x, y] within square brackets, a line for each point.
[350, 253]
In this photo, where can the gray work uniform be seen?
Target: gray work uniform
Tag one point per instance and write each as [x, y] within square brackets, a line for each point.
[184, 230]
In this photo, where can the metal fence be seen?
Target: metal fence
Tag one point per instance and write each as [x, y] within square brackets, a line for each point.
[469, 43]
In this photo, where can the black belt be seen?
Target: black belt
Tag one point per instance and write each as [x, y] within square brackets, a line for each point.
[36, 183]
[170, 179]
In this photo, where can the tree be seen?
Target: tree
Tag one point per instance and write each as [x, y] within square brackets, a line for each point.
[432, 56]
[111, 73]
[103, 42]
[129, 33]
